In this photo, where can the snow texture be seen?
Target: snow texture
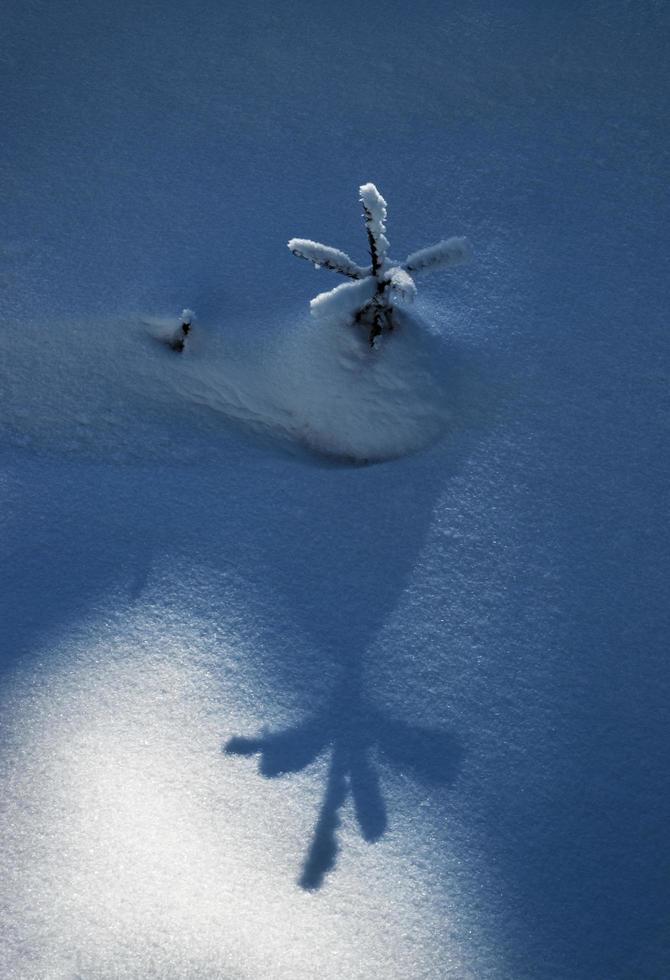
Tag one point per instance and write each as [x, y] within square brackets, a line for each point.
[268, 713]
[308, 390]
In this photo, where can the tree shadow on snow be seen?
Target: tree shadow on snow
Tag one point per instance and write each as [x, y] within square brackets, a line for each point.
[354, 731]
[335, 569]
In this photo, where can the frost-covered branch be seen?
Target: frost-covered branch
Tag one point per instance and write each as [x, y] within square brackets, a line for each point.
[374, 215]
[344, 300]
[439, 256]
[327, 257]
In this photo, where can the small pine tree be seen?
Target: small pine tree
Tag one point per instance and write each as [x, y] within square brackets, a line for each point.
[376, 288]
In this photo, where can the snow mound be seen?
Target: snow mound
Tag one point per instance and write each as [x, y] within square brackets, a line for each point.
[115, 390]
[367, 404]
[322, 388]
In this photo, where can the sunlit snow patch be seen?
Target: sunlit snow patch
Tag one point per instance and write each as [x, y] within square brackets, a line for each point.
[132, 848]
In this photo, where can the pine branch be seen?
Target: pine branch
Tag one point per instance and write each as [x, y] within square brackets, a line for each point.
[439, 256]
[323, 256]
[374, 215]
[344, 300]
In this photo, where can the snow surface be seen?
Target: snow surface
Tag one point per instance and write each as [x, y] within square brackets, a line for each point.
[264, 713]
[115, 390]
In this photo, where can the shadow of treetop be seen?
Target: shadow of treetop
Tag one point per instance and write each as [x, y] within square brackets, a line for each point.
[351, 727]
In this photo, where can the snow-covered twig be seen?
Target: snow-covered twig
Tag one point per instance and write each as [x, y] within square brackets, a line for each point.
[439, 256]
[344, 300]
[178, 341]
[327, 257]
[374, 215]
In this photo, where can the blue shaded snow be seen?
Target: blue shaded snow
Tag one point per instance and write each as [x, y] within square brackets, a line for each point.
[173, 586]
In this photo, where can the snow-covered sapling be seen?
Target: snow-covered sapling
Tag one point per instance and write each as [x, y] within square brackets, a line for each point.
[377, 288]
[178, 340]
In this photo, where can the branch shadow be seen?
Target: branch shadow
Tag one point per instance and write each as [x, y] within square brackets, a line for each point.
[354, 730]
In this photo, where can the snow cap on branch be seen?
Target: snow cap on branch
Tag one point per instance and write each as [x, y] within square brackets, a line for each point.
[327, 257]
[374, 213]
[449, 252]
[401, 284]
[344, 300]
[187, 317]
